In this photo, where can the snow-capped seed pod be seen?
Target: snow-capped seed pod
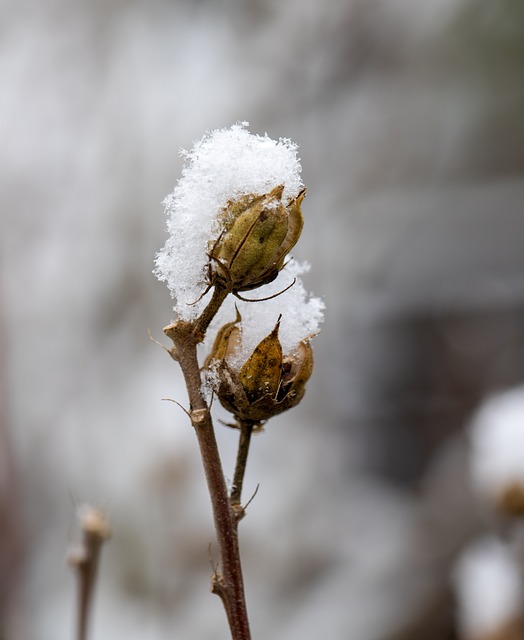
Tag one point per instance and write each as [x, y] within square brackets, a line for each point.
[259, 231]
[224, 172]
[268, 383]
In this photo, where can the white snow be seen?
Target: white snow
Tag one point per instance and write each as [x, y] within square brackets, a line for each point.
[301, 313]
[224, 165]
[497, 443]
[488, 588]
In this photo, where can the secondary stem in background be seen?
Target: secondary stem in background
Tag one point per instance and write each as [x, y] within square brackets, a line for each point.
[85, 559]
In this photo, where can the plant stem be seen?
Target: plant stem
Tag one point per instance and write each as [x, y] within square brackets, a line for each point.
[246, 429]
[201, 325]
[228, 582]
[95, 530]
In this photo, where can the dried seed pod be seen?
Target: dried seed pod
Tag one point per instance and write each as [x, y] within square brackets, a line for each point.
[259, 231]
[268, 383]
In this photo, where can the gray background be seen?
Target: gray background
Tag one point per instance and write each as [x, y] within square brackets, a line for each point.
[408, 114]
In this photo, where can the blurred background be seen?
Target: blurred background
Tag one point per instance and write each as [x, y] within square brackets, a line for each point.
[409, 117]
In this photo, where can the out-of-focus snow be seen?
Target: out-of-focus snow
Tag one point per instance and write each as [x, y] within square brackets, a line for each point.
[497, 443]
[488, 584]
[408, 116]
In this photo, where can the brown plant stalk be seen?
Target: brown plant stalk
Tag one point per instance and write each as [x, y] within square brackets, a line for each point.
[227, 580]
[85, 559]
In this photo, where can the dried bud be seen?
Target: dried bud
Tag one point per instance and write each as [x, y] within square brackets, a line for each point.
[511, 499]
[259, 231]
[268, 383]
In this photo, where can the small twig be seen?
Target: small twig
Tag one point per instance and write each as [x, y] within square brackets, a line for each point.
[95, 530]
[171, 351]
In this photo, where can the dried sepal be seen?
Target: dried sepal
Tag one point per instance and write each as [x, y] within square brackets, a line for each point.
[226, 342]
[295, 225]
[296, 371]
[261, 373]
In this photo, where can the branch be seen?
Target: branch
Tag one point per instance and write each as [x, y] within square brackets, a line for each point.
[246, 429]
[227, 582]
[201, 325]
[95, 530]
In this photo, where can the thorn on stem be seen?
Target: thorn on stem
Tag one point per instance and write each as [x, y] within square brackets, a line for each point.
[171, 351]
[252, 497]
[188, 414]
[240, 511]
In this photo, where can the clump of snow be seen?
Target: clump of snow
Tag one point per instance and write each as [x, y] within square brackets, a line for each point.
[301, 313]
[488, 588]
[497, 443]
[224, 165]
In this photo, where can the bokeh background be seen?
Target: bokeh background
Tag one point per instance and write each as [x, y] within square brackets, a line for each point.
[409, 117]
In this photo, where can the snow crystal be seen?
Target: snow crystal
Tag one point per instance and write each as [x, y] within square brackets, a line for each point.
[224, 165]
[488, 588]
[497, 443]
[301, 313]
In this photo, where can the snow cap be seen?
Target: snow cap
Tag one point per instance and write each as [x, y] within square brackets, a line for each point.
[224, 165]
[301, 314]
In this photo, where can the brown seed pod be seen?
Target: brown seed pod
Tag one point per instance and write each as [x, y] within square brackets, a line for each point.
[258, 232]
[268, 383]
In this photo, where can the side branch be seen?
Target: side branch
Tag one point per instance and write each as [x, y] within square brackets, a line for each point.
[201, 325]
[246, 429]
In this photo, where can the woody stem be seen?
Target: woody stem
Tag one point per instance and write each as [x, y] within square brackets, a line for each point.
[227, 582]
[85, 559]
